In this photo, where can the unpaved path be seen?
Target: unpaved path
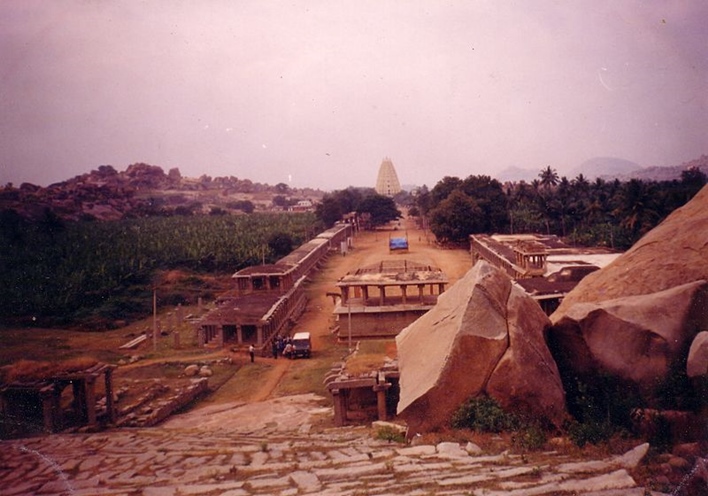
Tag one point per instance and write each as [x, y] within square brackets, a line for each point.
[264, 405]
[369, 248]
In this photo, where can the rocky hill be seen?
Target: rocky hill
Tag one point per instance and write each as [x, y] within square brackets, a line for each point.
[141, 190]
[611, 168]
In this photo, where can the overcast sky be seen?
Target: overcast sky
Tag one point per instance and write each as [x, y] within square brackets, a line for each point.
[317, 93]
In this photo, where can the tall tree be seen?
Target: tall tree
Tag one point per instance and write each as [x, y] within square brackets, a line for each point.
[455, 218]
[381, 208]
[549, 177]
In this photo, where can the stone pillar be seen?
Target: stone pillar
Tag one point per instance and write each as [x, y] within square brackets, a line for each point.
[220, 335]
[404, 298]
[239, 334]
[380, 390]
[201, 338]
[56, 405]
[259, 335]
[421, 288]
[79, 397]
[382, 295]
[340, 407]
[90, 399]
[47, 398]
[110, 406]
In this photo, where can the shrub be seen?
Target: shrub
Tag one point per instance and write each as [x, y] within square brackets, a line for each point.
[484, 415]
[387, 433]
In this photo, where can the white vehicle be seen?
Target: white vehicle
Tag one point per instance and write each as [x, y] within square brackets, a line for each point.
[302, 345]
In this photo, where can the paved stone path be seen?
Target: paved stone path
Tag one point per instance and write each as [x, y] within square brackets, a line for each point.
[344, 461]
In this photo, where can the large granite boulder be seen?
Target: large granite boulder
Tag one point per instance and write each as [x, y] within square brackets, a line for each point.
[697, 363]
[635, 338]
[635, 319]
[484, 337]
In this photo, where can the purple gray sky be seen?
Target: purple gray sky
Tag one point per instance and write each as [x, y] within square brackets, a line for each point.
[316, 93]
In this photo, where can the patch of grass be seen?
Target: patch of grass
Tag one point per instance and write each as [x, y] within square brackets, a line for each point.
[371, 355]
[390, 434]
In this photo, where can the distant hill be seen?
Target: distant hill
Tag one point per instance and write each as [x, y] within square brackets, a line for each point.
[610, 168]
[144, 190]
[605, 167]
[515, 174]
[668, 173]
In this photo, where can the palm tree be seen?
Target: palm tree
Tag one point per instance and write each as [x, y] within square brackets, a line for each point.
[549, 177]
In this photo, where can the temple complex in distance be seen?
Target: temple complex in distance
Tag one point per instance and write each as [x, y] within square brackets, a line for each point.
[387, 181]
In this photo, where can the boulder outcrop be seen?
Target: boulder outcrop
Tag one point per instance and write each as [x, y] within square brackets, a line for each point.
[484, 337]
[635, 338]
[636, 319]
[697, 363]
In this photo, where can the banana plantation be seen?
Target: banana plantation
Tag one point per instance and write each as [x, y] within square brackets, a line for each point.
[59, 272]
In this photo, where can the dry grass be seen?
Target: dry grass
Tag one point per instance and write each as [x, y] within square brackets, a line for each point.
[371, 356]
[32, 370]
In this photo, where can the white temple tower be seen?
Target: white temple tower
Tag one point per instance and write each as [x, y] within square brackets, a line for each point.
[387, 182]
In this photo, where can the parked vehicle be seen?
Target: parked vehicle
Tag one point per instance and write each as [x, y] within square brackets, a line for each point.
[302, 345]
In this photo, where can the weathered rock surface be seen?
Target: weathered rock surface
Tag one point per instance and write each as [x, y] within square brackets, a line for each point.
[637, 338]
[697, 365]
[673, 253]
[484, 336]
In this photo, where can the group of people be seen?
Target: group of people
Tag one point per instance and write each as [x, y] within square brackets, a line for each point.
[282, 346]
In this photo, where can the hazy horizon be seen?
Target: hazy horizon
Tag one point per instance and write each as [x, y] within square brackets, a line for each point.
[316, 94]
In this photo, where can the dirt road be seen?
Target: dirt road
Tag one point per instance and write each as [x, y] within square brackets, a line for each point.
[369, 248]
[265, 392]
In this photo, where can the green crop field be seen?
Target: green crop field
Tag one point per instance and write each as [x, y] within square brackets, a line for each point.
[64, 273]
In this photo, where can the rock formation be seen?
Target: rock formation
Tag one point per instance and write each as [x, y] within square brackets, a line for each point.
[636, 338]
[636, 319]
[484, 337]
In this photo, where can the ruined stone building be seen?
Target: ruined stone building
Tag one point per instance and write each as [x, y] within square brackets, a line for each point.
[379, 300]
[542, 265]
[267, 299]
[39, 400]
[387, 181]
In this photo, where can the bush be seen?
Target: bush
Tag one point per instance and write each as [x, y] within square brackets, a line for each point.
[390, 434]
[484, 415]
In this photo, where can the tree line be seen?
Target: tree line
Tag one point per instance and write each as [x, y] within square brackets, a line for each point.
[591, 213]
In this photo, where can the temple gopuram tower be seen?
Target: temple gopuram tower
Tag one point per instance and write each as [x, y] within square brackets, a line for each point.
[387, 182]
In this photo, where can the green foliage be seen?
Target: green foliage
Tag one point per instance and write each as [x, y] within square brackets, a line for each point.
[529, 438]
[381, 208]
[600, 409]
[59, 271]
[280, 244]
[455, 218]
[484, 415]
[593, 432]
[390, 434]
[601, 213]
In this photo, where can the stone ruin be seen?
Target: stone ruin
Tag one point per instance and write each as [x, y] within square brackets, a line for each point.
[640, 319]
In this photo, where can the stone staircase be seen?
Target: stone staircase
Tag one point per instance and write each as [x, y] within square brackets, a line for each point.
[345, 461]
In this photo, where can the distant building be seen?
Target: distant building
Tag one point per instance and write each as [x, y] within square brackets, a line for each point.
[542, 265]
[379, 300]
[387, 181]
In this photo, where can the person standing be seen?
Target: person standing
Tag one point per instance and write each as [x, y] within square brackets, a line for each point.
[252, 352]
[274, 349]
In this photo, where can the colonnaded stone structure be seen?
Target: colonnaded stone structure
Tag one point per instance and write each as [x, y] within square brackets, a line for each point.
[484, 337]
